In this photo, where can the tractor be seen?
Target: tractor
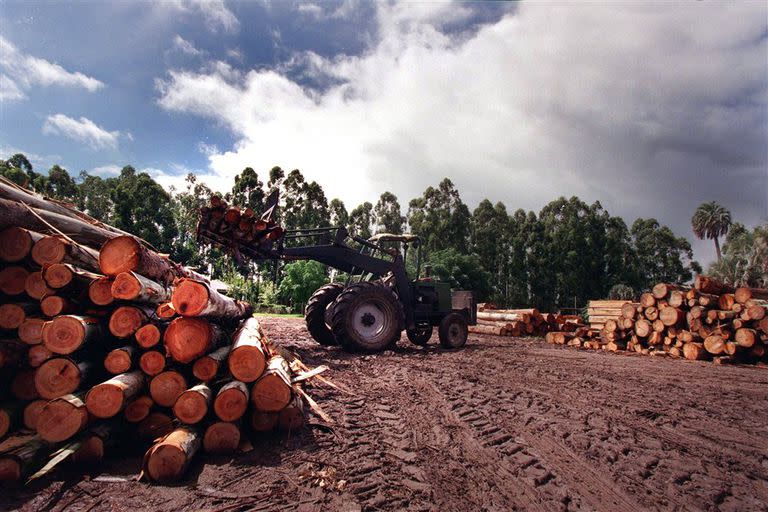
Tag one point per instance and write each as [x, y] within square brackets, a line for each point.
[378, 300]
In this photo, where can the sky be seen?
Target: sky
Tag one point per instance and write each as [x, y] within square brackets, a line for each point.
[650, 108]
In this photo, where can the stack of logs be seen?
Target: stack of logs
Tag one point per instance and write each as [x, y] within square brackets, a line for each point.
[103, 338]
[520, 322]
[710, 321]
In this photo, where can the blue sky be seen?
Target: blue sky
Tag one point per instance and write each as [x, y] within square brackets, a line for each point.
[650, 108]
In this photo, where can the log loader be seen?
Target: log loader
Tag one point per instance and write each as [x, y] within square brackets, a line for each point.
[378, 300]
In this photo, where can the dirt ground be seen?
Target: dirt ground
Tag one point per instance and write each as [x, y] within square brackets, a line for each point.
[504, 424]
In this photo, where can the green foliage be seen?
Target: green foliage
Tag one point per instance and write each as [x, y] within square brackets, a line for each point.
[304, 204]
[711, 220]
[361, 220]
[441, 218]
[301, 279]
[462, 271]
[388, 216]
[241, 287]
[621, 292]
[662, 257]
[338, 213]
[248, 191]
[745, 257]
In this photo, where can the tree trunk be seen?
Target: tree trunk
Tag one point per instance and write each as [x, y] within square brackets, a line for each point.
[231, 401]
[487, 329]
[192, 405]
[742, 295]
[156, 424]
[134, 287]
[31, 330]
[291, 418]
[126, 320]
[62, 418]
[221, 438]
[186, 339]
[272, 391]
[152, 362]
[264, 421]
[208, 366]
[717, 249]
[60, 376]
[168, 460]
[138, 409]
[120, 360]
[36, 287]
[16, 244]
[100, 291]
[13, 280]
[247, 360]
[107, 399]
[53, 249]
[197, 298]
[166, 387]
[65, 334]
[128, 254]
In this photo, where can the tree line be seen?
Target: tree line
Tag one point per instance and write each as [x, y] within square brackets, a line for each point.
[562, 256]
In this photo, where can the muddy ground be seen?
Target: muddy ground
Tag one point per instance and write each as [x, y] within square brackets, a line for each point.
[504, 424]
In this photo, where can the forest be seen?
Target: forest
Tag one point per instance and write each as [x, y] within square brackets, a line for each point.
[560, 257]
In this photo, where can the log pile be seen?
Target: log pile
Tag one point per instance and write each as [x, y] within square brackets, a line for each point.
[710, 321]
[521, 322]
[103, 340]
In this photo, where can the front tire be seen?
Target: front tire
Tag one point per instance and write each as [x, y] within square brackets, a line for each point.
[453, 331]
[366, 318]
[317, 313]
[420, 336]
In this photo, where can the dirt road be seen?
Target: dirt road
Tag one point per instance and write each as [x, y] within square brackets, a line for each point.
[503, 424]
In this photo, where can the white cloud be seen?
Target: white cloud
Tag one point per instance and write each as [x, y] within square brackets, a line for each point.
[81, 130]
[106, 170]
[28, 71]
[184, 46]
[649, 109]
[38, 161]
[214, 12]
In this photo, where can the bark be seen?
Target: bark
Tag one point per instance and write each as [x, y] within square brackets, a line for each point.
[53, 249]
[167, 460]
[67, 333]
[23, 461]
[135, 287]
[196, 298]
[247, 360]
[272, 391]
[186, 339]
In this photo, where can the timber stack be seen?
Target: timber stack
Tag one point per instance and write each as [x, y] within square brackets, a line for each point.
[710, 321]
[103, 340]
[520, 322]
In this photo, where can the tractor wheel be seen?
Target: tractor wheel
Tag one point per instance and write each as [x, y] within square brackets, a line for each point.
[366, 318]
[453, 331]
[317, 313]
[420, 335]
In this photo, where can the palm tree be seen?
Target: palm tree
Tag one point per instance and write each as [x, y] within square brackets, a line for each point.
[711, 220]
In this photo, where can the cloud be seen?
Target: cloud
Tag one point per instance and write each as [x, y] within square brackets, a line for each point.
[106, 170]
[184, 46]
[22, 71]
[82, 130]
[215, 13]
[651, 109]
[38, 161]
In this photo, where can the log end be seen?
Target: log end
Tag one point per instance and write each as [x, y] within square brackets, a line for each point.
[11, 316]
[166, 463]
[126, 320]
[53, 305]
[152, 362]
[221, 438]
[271, 393]
[49, 250]
[138, 409]
[13, 280]
[264, 421]
[230, 404]
[32, 413]
[189, 297]
[156, 424]
[100, 291]
[36, 287]
[15, 244]
[147, 336]
[190, 407]
[166, 387]
[61, 419]
[31, 330]
[186, 339]
[58, 275]
[10, 469]
[246, 363]
[57, 377]
[118, 361]
[104, 400]
[126, 286]
[120, 254]
[64, 334]
[205, 369]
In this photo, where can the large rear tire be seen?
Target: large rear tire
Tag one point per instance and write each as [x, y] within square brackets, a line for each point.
[317, 313]
[453, 331]
[367, 318]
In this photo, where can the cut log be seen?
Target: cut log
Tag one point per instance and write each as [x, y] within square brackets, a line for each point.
[148, 335]
[53, 249]
[165, 311]
[96, 441]
[196, 298]
[742, 295]
[192, 405]
[714, 344]
[745, 337]
[694, 351]
[134, 287]
[126, 320]
[504, 317]
[231, 401]
[128, 254]
[23, 385]
[291, 418]
[156, 424]
[120, 360]
[221, 438]
[60, 376]
[30, 331]
[67, 333]
[651, 313]
[32, 413]
[23, 461]
[138, 409]
[13, 280]
[642, 328]
[726, 301]
[707, 300]
[167, 460]
[208, 366]
[13, 315]
[663, 290]
[10, 416]
[36, 287]
[488, 329]
[55, 305]
[763, 325]
[16, 243]
[629, 310]
[247, 359]
[709, 285]
[100, 291]
[677, 298]
[671, 316]
[272, 391]
[62, 418]
[62, 275]
[755, 311]
[647, 300]
[152, 362]
[166, 387]
[186, 339]
[107, 399]
[264, 421]
[11, 352]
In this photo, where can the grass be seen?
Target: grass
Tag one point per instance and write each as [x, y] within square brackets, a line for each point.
[280, 315]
